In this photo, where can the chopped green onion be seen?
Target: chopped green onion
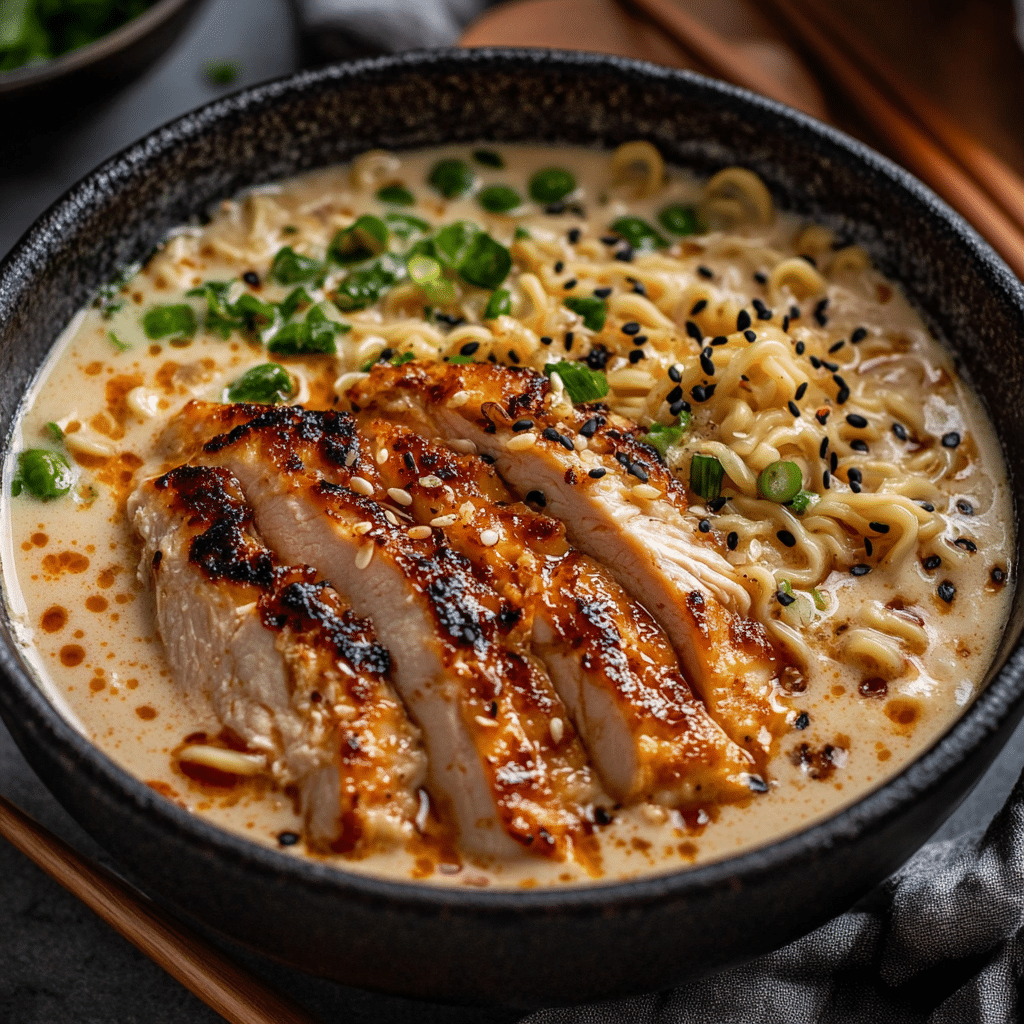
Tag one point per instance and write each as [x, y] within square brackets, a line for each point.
[397, 195]
[460, 360]
[551, 184]
[499, 199]
[488, 158]
[360, 241]
[452, 178]
[428, 274]
[290, 267]
[222, 72]
[451, 243]
[44, 474]
[780, 482]
[253, 314]
[819, 599]
[362, 288]
[592, 310]
[315, 334]
[121, 346]
[802, 501]
[293, 302]
[499, 304]
[486, 262]
[55, 431]
[679, 220]
[638, 233]
[169, 321]
[402, 358]
[404, 225]
[706, 475]
[582, 384]
[521, 233]
[661, 437]
[266, 384]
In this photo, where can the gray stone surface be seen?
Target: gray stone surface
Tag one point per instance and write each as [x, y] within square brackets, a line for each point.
[58, 963]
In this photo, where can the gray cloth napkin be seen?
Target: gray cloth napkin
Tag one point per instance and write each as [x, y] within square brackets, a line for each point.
[940, 942]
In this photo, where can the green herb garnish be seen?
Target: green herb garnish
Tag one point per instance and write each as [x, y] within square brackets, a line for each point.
[266, 384]
[452, 178]
[488, 158]
[521, 232]
[397, 195]
[499, 198]
[428, 275]
[222, 72]
[706, 475]
[460, 360]
[55, 431]
[362, 288]
[121, 346]
[780, 482]
[802, 501]
[582, 384]
[366, 238]
[44, 474]
[679, 220]
[593, 310]
[315, 334]
[290, 267]
[551, 184]
[486, 262]
[661, 437]
[499, 304]
[294, 302]
[169, 321]
[404, 225]
[638, 233]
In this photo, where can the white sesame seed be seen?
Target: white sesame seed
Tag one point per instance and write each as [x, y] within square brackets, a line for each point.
[363, 527]
[398, 495]
[463, 444]
[579, 442]
[459, 399]
[444, 521]
[350, 459]
[361, 485]
[467, 508]
[382, 456]
[364, 554]
[488, 723]
[645, 492]
[557, 729]
[431, 481]
[391, 517]
[489, 538]
[557, 386]
[654, 814]
[520, 442]
[419, 532]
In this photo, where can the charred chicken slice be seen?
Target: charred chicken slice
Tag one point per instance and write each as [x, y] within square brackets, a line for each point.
[285, 665]
[619, 504]
[484, 704]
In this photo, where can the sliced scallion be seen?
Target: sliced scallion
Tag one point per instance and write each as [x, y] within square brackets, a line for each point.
[780, 482]
[582, 384]
[706, 475]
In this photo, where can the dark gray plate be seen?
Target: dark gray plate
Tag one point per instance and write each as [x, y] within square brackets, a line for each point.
[527, 948]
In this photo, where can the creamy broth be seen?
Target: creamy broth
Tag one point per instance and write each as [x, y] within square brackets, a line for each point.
[892, 634]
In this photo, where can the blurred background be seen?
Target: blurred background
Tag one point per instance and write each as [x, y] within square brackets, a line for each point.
[61, 118]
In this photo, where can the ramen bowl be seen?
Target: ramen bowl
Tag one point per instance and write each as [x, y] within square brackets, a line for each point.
[536, 947]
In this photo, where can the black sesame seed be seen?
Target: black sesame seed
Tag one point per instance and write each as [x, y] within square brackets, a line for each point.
[802, 720]
[966, 544]
[800, 348]
[819, 313]
[596, 474]
[761, 277]
[808, 259]
[932, 562]
[842, 395]
[706, 362]
[787, 538]
[785, 323]
[836, 347]
[950, 440]
[831, 367]
[569, 339]
[794, 408]
[484, 457]
[602, 293]
[783, 598]
[998, 575]
[553, 435]
[856, 420]
[756, 784]
[801, 391]
[733, 539]
[674, 374]
[251, 278]
[638, 471]
[702, 392]
[630, 327]
[589, 429]
[625, 254]
[545, 340]
[900, 431]
[855, 474]
[869, 548]
[815, 362]
[638, 288]
[469, 348]
[559, 267]
[570, 284]
[860, 570]
[826, 480]
[513, 356]
[601, 816]
[699, 306]
[555, 208]
[522, 425]
[855, 486]
[706, 272]
[742, 320]
[794, 312]
[492, 709]
[674, 395]
[704, 525]
[965, 507]
[859, 445]
[719, 339]
[946, 591]
[287, 838]
[750, 336]
[927, 506]
[858, 335]
[717, 504]
[537, 498]
[388, 353]
[677, 407]
[694, 331]
[573, 234]
[610, 239]
[823, 448]
[833, 462]
[763, 312]
[636, 355]
[879, 527]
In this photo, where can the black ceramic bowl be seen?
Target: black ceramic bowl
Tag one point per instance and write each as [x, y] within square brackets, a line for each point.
[534, 947]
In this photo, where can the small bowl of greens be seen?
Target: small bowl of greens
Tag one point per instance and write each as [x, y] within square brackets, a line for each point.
[79, 49]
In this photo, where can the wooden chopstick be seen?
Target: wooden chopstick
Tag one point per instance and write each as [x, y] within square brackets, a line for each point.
[923, 156]
[999, 180]
[224, 986]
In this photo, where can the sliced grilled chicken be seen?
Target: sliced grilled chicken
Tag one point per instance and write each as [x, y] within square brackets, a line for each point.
[611, 663]
[284, 664]
[484, 706]
[619, 504]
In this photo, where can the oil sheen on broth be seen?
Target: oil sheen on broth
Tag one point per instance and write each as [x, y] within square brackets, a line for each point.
[744, 341]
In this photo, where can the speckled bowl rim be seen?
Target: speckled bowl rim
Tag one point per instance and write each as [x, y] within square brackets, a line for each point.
[992, 711]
